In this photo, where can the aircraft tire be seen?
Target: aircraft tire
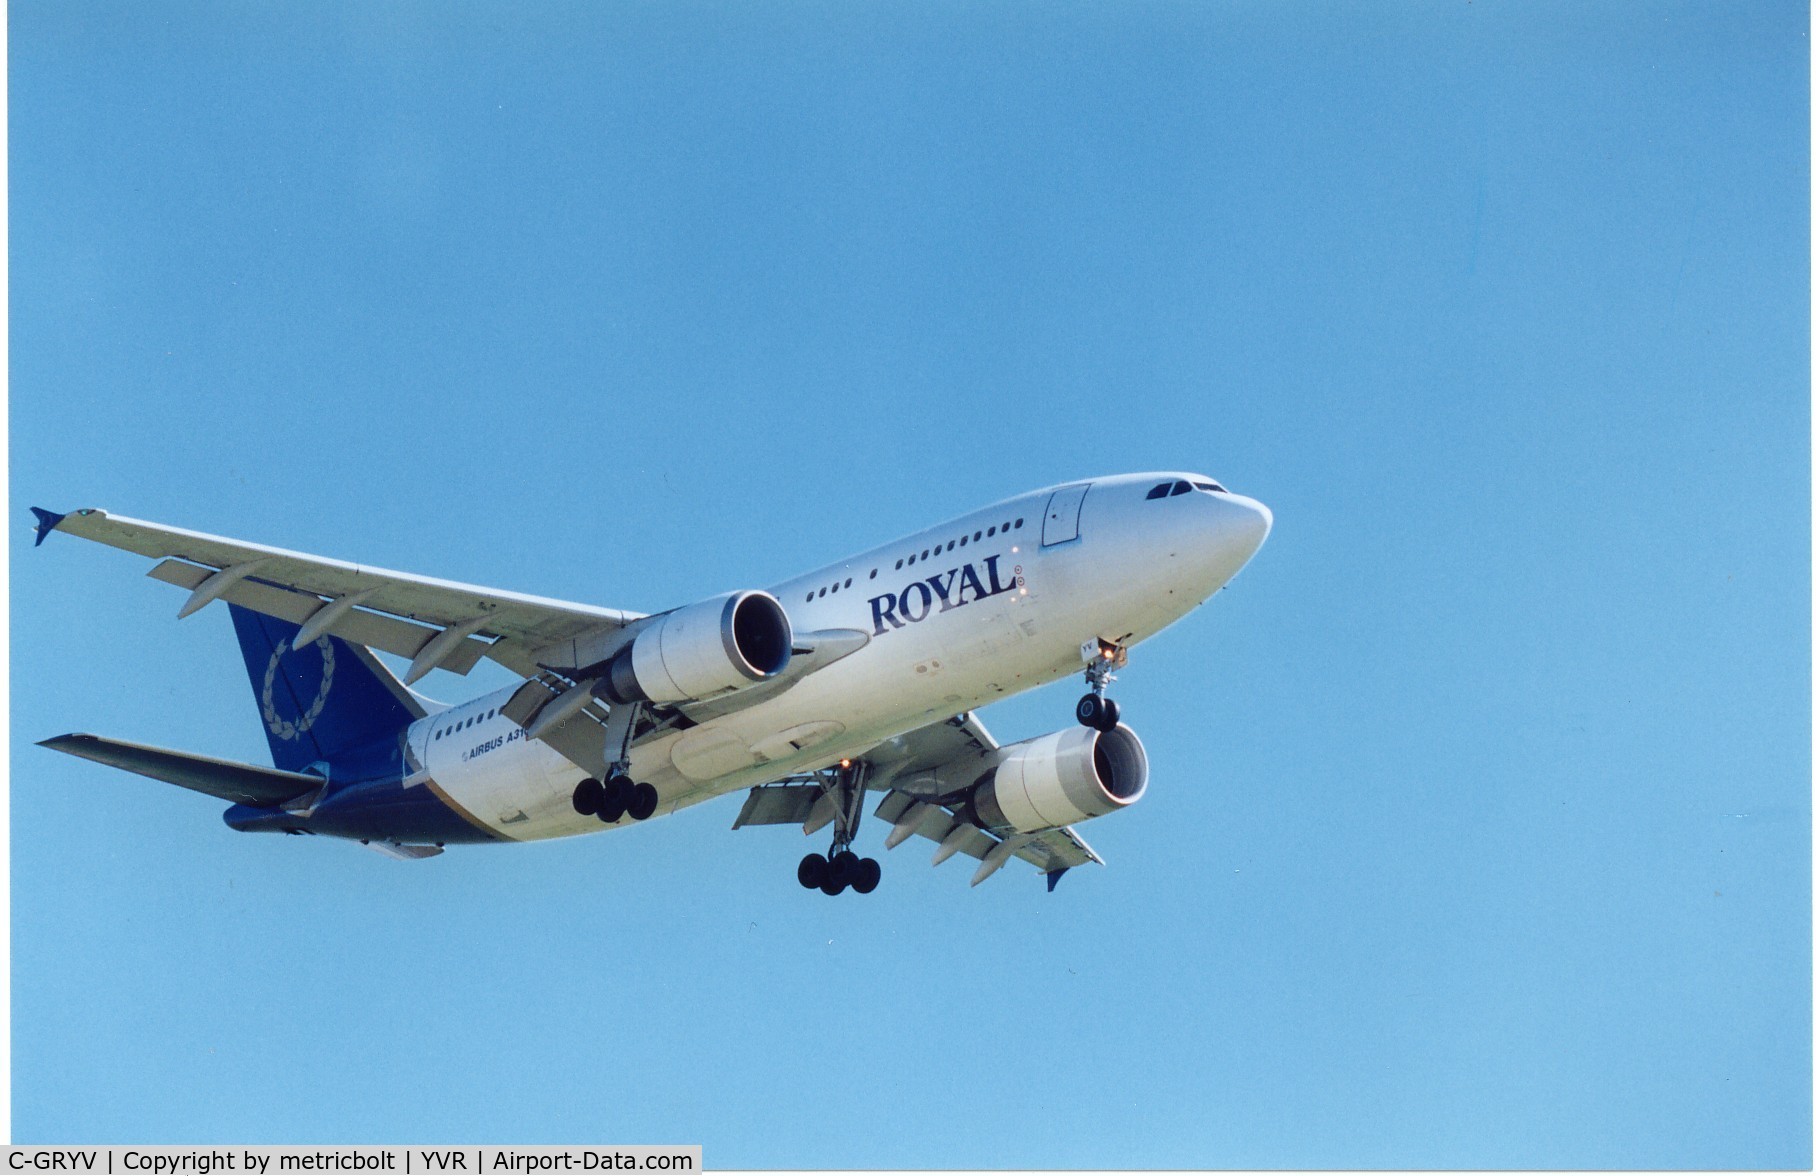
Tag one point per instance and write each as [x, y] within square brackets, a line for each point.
[613, 798]
[1112, 715]
[811, 872]
[869, 874]
[843, 868]
[1089, 711]
[587, 795]
[642, 802]
[831, 887]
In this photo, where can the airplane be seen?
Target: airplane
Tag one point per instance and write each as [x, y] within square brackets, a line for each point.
[858, 677]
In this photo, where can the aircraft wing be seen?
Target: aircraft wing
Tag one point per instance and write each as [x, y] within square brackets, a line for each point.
[918, 768]
[436, 623]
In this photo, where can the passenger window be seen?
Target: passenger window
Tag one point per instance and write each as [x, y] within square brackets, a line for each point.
[898, 565]
[847, 581]
[810, 598]
[1160, 491]
[963, 539]
[873, 573]
[1182, 487]
[924, 554]
[911, 560]
[835, 587]
[991, 531]
[1018, 524]
[936, 549]
[975, 538]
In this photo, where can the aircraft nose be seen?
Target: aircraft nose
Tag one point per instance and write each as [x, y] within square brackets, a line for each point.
[1238, 526]
[1252, 524]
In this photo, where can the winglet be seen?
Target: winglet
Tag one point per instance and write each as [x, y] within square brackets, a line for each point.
[1053, 877]
[47, 522]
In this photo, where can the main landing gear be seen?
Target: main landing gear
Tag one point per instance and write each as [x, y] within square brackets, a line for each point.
[831, 875]
[616, 796]
[838, 867]
[1100, 658]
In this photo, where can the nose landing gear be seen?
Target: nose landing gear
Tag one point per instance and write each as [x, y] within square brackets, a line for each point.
[839, 868]
[1100, 658]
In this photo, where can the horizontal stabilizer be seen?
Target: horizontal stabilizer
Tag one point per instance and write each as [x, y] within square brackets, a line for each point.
[227, 779]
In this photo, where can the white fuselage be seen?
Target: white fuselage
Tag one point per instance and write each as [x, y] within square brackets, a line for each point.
[979, 608]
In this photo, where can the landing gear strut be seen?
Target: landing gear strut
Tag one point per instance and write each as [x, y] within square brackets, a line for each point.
[616, 797]
[839, 867]
[1100, 658]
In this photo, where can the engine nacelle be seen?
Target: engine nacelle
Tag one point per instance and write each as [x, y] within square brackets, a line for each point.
[706, 649]
[1061, 779]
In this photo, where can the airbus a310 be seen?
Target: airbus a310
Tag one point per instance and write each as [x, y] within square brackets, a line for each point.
[858, 677]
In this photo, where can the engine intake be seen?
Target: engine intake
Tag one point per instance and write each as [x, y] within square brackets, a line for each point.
[1061, 779]
[706, 649]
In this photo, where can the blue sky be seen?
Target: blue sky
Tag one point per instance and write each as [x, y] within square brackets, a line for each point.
[1480, 828]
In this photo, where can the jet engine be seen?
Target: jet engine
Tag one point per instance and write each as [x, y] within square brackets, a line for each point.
[706, 649]
[1061, 779]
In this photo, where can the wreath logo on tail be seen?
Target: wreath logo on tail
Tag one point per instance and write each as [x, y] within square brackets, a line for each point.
[285, 728]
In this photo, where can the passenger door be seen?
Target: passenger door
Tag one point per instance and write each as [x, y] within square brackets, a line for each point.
[1061, 523]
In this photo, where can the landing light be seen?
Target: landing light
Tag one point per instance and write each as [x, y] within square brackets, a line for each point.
[844, 763]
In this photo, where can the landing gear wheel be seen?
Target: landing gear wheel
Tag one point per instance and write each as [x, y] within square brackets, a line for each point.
[831, 887]
[869, 874]
[1112, 715]
[1092, 711]
[587, 795]
[615, 795]
[811, 873]
[642, 802]
[843, 868]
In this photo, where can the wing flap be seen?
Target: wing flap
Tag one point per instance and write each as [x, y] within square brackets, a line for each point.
[525, 624]
[227, 779]
[373, 630]
[934, 759]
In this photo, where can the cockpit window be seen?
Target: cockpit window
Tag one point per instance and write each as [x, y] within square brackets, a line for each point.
[1182, 487]
[1160, 491]
[1210, 486]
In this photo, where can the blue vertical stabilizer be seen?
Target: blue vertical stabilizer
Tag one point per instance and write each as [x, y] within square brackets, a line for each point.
[320, 702]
